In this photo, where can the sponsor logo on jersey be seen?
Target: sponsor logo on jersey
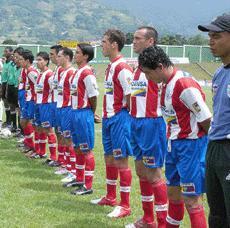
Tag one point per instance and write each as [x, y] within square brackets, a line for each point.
[39, 88]
[108, 87]
[188, 188]
[138, 88]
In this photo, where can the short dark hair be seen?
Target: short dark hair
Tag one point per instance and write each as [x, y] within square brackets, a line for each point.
[9, 48]
[19, 50]
[44, 55]
[56, 47]
[152, 56]
[67, 52]
[28, 55]
[87, 49]
[116, 36]
[150, 32]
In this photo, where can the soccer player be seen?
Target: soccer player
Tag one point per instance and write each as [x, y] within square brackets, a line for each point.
[188, 119]
[84, 92]
[56, 78]
[44, 113]
[64, 59]
[148, 137]
[116, 124]
[8, 54]
[218, 154]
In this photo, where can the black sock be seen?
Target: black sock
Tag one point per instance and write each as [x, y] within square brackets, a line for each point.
[13, 118]
[8, 117]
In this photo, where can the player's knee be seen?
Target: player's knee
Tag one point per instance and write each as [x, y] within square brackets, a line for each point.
[191, 202]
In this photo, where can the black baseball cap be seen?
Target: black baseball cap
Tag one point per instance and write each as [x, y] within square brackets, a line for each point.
[219, 24]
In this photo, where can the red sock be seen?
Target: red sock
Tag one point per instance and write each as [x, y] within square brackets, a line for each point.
[28, 132]
[61, 153]
[197, 217]
[80, 167]
[37, 142]
[175, 213]
[42, 143]
[111, 181]
[72, 160]
[147, 200]
[52, 145]
[125, 186]
[89, 169]
[161, 200]
[67, 158]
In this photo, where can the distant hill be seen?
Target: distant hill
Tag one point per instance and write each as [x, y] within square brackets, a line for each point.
[47, 21]
[173, 16]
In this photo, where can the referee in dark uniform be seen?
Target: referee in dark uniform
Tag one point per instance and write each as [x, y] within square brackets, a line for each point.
[218, 154]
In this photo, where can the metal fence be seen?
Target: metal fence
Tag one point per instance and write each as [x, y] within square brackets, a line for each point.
[192, 52]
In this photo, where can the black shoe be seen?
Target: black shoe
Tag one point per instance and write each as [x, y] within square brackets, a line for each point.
[73, 183]
[82, 191]
[47, 161]
[54, 164]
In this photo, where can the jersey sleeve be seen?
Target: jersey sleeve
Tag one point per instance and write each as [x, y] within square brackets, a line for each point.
[32, 76]
[91, 86]
[193, 100]
[125, 78]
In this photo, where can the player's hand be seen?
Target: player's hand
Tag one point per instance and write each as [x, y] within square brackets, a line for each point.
[97, 118]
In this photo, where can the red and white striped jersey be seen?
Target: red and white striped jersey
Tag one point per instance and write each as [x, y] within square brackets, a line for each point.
[117, 85]
[83, 87]
[183, 107]
[64, 88]
[22, 79]
[44, 87]
[56, 79]
[145, 96]
[31, 77]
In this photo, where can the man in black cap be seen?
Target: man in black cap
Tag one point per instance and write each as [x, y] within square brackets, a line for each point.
[218, 153]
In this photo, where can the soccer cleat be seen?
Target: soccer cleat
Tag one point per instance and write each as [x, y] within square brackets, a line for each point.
[141, 224]
[119, 212]
[47, 161]
[54, 164]
[68, 178]
[38, 156]
[61, 171]
[73, 183]
[31, 155]
[82, 191]
[104, 202]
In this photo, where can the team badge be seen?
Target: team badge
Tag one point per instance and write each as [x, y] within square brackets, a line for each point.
[117, 153]
[196, 107]
[46, 124]
[188, 188]
[84, 146]
[149, 160]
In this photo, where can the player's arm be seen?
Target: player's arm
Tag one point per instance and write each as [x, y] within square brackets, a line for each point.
[192, 99]
[33, 76]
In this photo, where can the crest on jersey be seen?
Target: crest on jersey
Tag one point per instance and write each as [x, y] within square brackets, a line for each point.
[228, 90]
[196, 107]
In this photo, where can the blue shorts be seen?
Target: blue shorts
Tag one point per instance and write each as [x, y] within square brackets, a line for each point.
[185, 165]
[148, 141]
[116, 132]
[44, 115]
[28, 112]
[21, 99]
[65, 117]
[82, 129]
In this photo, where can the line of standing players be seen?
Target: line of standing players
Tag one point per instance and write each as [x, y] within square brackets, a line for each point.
[132, 125]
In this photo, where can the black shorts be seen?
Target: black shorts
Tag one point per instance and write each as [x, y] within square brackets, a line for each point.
[3, 94]
[12, 95]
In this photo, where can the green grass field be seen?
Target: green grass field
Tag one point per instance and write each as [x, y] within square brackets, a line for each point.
[32, 196]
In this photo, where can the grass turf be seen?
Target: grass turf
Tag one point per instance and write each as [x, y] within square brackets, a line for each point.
[31, 194]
